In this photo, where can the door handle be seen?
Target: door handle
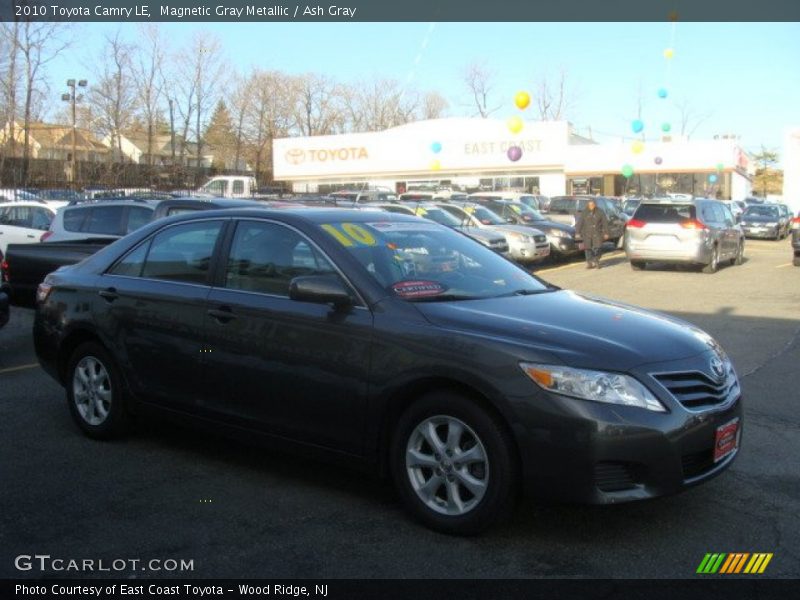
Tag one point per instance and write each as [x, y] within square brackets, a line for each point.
[31, 236]
[221, 315]
[109, 294]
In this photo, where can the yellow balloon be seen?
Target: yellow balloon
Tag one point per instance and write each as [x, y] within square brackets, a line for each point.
[637, 147]
[522, 100]
[669, 53]
[515, 124]
[436, 165]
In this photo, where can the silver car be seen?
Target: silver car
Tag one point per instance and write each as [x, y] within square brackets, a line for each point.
[697, 232]
[525, 244]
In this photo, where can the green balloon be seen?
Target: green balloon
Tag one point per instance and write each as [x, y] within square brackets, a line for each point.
[720, 167]
[666, 127]
[627, 171]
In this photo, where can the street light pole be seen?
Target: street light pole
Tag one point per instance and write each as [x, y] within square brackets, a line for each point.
[73, 98]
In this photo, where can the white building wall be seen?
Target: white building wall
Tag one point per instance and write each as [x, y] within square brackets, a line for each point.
[791, 169]
[552, 184]
[741, 187]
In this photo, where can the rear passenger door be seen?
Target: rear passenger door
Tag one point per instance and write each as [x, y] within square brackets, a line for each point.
[16, 226]
[152, 304]
[292, 369]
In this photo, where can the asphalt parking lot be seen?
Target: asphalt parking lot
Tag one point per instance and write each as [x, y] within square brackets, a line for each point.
[237, 511]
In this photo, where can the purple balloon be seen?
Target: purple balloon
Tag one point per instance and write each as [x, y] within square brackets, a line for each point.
[659, 160]
[514, 153]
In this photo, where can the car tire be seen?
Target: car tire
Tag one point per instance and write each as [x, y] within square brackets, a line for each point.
[796, 261]
[713, 264]
[460, 498]
[95, 394]
[739, 258]
[638, 265]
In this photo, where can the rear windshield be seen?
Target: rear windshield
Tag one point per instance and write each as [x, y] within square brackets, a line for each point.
[665, 213]
[566, 205]
[415, 197]
[759, 210]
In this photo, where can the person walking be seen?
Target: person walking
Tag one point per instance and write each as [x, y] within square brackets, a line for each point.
[592, 227]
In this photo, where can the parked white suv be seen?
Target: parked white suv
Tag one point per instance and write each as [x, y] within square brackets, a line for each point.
[23, 222]
[105, 219]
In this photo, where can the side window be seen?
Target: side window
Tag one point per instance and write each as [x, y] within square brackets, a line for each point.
[218, 187]
[238, 186]
[73, 218]
[131, 264]
[105, 220]
[19, 216]
[138, 216]
[708, 213]
[41, 219]
[5, 216]
[265, 257]
[183, 253]
[727, 216]
[719, 214]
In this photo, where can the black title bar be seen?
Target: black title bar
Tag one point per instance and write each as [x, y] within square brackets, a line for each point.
[399, 10]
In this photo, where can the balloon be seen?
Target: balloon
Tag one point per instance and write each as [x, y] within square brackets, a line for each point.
[637, 146]
[515, 124]
[666, 127]
[637, 126]
[627, 171]
[522, 100]
[720, 167]
[712, 178]
[662, 93]
[435, 165]
[514, 153]
[659, 160]
[669, 53]
[436, 147]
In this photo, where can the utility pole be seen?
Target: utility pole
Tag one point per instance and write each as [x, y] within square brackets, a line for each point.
[74, 98]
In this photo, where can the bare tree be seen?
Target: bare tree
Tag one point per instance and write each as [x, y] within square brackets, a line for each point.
[241, 100]
[9, 54]
[690, 118]
[433, 106]
[377, 106]
[317, 110]
[38, 43]
[553, 99]
[113, 97]
[148, 78]
[479, 80]
[272, 113]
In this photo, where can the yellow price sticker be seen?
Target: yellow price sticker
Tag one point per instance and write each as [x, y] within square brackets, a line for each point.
[350, 234]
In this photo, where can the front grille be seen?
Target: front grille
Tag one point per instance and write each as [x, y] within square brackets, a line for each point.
[697, 463]
[696, 390]
[616, 476]
[499, 245]
[539, 239]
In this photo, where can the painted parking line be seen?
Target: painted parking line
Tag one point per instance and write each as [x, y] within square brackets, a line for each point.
[785, 265]
[18, 368]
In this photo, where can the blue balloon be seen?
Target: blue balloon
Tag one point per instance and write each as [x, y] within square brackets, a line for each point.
[712, 178]
[436, 147]
[662, 92]
[637, 126]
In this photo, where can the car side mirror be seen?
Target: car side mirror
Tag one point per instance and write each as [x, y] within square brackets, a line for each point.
[320, 289]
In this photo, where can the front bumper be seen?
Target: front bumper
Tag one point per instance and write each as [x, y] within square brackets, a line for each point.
[595, 453]
[563, 245]
[528, 252]
[761, 231]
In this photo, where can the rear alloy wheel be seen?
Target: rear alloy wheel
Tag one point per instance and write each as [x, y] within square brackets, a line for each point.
[713, 265]
[94, 392]
[739, 258]
[453, 464]
[638, 265]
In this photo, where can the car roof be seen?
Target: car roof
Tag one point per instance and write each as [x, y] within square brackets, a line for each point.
[306, 214]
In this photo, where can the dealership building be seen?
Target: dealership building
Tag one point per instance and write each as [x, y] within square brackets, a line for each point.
[471, 154]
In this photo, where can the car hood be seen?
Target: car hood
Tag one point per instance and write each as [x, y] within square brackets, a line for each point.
[551, 225]
[484, 234]
[523, 229]
[580, 330]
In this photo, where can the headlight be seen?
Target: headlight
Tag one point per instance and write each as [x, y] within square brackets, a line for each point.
[772, 224]
[559, 233]
[599, 386]
[520, 237]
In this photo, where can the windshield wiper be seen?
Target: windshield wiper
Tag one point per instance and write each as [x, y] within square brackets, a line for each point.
[443, 298]
[528, 292]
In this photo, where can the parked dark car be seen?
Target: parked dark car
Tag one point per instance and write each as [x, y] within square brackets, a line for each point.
[94, 225]
[763, 221]
[5, 299]
[395, 343]
[566, 209]
[796, 240]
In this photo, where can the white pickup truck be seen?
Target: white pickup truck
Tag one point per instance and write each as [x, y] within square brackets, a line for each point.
[234, 186]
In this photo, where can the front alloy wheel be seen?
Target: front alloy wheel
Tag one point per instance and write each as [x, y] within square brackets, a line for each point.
[447, 465]
[91, 390]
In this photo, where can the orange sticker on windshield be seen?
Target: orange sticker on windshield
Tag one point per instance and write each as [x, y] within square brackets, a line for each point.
[418, 289]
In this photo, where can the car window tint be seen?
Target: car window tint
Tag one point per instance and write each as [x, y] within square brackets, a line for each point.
[18, 216]
[183, 253]
[106, 220]
[41, 219]
[73, 218]
[131, 264]
[664, 213]
[265, 257]
[138, 216]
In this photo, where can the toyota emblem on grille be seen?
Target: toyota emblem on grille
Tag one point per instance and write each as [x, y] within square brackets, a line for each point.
[717, 368]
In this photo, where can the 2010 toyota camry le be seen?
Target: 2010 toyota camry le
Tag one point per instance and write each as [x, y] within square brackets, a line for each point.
[396, 344]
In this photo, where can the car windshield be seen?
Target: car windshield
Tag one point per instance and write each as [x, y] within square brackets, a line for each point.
[427, 262]
[528, 213]
[761, 211]
[484, 215]
[438, 215]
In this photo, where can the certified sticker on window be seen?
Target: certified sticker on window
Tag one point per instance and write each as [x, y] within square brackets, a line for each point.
[418, 288]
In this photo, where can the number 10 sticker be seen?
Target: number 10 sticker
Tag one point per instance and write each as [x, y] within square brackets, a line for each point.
[350, 234]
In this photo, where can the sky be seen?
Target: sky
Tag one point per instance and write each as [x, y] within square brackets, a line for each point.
[744, 76]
